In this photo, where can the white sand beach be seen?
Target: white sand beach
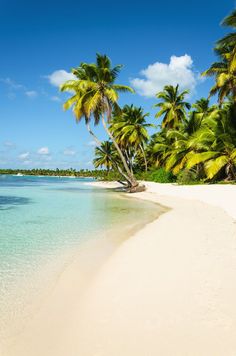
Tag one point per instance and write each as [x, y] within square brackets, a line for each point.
[169, 290]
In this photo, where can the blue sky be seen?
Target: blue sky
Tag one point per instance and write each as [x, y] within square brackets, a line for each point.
[159, 42]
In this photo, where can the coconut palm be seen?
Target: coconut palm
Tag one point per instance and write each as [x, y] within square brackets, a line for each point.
[96, 95]
[225, 69]
[105, 156]
[225, 80]
[129, 127]
[202, 109]
[216, 146]
[228, 42]
[172, 107]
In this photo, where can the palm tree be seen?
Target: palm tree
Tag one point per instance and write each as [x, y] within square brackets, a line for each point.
[225, 69]
[225, 80]
[105, 156]
[228, 42]
[172, 107]
[129, 127]
[96, 94]
[215, 145]
[202, 109]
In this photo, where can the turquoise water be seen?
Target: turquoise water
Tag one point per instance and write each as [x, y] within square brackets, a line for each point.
[43, 222]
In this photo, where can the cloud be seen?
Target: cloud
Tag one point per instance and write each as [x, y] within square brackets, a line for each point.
[14, 87]
[59, 77]
[55, 98]
[43, 151]
[91, 143]
[31, 94]
[12, 84]
[69, 152]
[24, 155]
[9, 144]
[27, 162]
[157, 75]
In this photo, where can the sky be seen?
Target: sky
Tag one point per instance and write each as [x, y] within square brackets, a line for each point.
[158, 42]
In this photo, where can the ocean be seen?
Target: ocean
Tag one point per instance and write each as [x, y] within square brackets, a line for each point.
[44, 222]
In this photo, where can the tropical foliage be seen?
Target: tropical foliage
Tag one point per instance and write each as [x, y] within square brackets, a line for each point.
[172, 106]
[192, 142]
[95, 96]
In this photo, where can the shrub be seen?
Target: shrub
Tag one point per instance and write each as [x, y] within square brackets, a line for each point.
[159, 176]
[187, 177]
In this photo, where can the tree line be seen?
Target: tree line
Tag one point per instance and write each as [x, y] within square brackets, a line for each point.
[193, 142]
[71, 172]
[197, 141]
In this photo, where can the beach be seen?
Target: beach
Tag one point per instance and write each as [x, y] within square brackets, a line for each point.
[168, 290]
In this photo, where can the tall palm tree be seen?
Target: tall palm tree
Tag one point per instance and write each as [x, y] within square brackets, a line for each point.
[172, 107]
[129, 128]
[96, 94]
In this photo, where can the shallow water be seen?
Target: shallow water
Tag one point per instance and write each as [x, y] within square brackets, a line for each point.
[43, 222]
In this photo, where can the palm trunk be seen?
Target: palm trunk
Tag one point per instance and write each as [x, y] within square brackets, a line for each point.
[99, 143]
[230, 173]
[132, 180]
[128, 160]
[144, 157]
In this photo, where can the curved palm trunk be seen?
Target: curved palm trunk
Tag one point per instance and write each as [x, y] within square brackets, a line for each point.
[144, 157]
[132, 179]
[99, 143]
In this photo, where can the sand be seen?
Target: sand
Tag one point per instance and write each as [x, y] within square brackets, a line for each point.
[169, 290]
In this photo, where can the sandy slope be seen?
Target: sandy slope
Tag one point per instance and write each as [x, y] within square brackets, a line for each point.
[170, 290]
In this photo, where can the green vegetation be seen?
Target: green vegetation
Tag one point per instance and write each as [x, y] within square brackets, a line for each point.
[95, 96]
[83, 173]
[195, 143]
[192, 144]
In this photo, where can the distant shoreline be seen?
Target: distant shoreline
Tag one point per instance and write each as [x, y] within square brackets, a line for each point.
[46, 175]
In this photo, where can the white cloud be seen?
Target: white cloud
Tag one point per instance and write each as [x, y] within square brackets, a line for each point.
[27, 162]
[9, 144]
[157, 75]
[91, 143]
[31, 93]
[69, 152]
[59, 77]
[24, 155]
[12, 84]
[55, 98]
[43, 151]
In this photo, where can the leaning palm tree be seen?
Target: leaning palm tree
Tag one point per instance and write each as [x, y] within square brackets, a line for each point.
[130, 129]
[172, 106]
[96, 95]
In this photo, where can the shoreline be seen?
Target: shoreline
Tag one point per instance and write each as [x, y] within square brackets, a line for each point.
[168, 290]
